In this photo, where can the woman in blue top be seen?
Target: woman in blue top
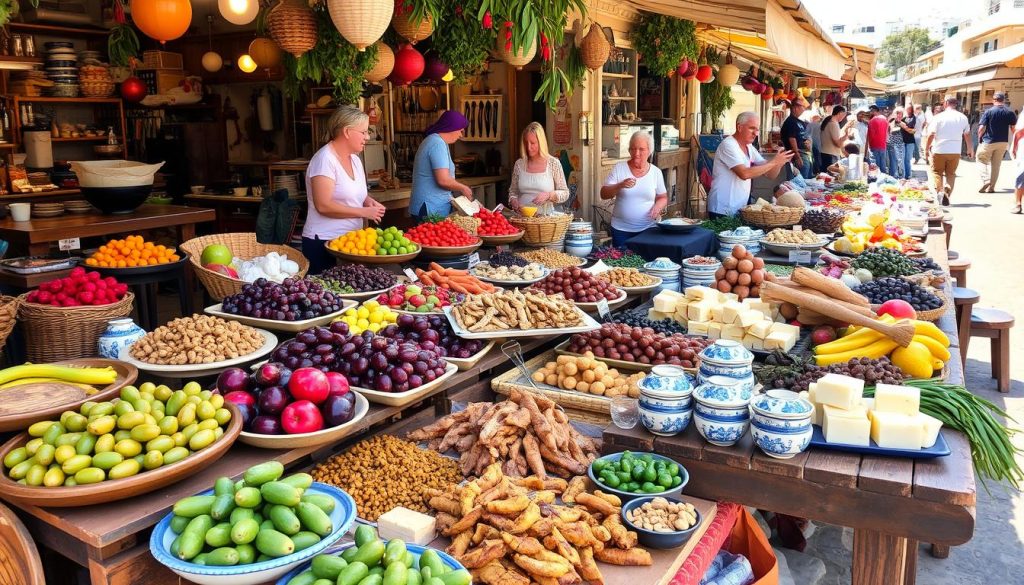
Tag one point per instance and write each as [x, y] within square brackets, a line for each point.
[433, 170]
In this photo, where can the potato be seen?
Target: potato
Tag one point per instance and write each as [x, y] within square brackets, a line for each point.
[757, 276]
[745, 266]
[743, 279]
[741, 291]
[551, 379]
[569, 382]
[724, 286]
[597, 388]
[738, 252]
[732, 276]
[585, 363]
[582, 387]
[538, 377]
[729, 263]
[570, 369]
[720, 273]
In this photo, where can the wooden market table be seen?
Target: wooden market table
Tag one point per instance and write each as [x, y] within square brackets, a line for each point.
[891, 503]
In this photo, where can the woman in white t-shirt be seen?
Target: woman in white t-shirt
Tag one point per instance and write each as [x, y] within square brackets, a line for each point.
[638, 189]
[336, 187]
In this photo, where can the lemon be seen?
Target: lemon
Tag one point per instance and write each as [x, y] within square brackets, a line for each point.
[915, 360]
[364, 324]
[371, 305]
[376, 317]
[363, 312]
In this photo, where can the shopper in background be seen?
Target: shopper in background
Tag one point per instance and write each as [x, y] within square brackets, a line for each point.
[736, 163]
[951, 130]
[1018, 155]
[795, 137]
[878, 135]
[537, 177]
[894, 144]
[814, 127]
[919, 132]
[638, 188]
[433, 170]
[857, 129]
[907, 128]
[336, 187]
[994, 130]
[832, 137]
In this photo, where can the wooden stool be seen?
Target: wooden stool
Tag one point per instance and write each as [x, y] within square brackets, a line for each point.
[958, 269]
[19, 558]
[995, 325]
[964, 300]
[947, 226]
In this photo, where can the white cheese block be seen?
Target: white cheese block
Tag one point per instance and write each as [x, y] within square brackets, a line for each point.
[697, 293]
[837, 390]
[931, 427]
[753, 342]
[760, 329]
[654, 315]
[694, 327]
[892, 430]
[780, 340]
[681, 305]
[406, 524]
[844, 426]
[726, 297]
[786, 328]
[681, 318]
[665, 301]
[748, 317]
[900, 399]
[714, 330]
[716, 313]
[731, 310]
[733, 332]
[700, 310]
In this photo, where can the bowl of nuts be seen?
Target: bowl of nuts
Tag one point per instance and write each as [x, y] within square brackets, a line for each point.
[661, 522]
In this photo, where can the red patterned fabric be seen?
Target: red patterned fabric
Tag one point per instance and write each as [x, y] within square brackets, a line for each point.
[710, 543]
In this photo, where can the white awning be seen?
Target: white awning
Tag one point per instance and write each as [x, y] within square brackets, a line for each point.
[964, 81]
[1012, 56]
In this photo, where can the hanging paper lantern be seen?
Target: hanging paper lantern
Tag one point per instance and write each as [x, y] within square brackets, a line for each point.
[704, 73]
[684, 67]
[435, 69]
[292, 25]
[265, 53]
[361, 22]
[212, 61]
[246, 63]
[728, 74]
[409, 64]
[514, 58]
[133, 89]
[163, 20]
[448, 77]
[409, 29]
[385, 63]
[240, 12]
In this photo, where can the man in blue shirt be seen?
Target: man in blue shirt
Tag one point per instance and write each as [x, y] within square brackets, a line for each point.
[993, 138]
[795, 138]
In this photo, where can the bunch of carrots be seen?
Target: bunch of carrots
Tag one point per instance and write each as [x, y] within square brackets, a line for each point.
[457, 280]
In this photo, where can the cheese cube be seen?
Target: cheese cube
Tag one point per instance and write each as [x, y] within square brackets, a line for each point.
[812, 391]
[780, 340]
[658, 315]
[900, 399]
[681, 305]
[838, 390]
[749, 317]
[681, 318]
[733, 332]
[716, 313]
[753, 342]
[695, 327]
[665, 301]
[726, 297]
[714, 330]
[698, 293]
[892, 430]
[850, 427]
[786, 328]
[731, 310]
[931, 427]
[761, 329]
[406, 524]
[700, 310]
[816, 412]
[754, 304]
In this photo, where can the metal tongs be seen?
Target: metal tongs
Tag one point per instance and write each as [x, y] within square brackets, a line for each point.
[514, 352]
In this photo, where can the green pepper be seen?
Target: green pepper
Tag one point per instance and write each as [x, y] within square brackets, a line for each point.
[650, 488]
[626, 455]
[612, 481]
[646, 458]
[676, 480]
[623, 476]
[626, 465]
[633, 487]
[673, 470]
[638, 472]
[600, 465]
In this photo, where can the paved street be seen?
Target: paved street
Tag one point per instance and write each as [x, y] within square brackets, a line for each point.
[989, 235]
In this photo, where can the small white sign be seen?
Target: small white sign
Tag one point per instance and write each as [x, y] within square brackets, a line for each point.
[474, 259]
[70, 244]
[800, 256]
[602, 309]
[798, 228]
[411, 274]
[499, 208]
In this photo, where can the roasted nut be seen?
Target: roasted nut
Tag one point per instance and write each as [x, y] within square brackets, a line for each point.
[199, 339]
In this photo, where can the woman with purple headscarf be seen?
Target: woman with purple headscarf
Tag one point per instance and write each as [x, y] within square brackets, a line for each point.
[433, 170]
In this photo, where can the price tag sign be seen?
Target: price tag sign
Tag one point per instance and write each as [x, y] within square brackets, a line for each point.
[798, 228]
[411, 274]
[603, 310]
[70, 244]
[499, 208]
[474, 259]
[800, 256]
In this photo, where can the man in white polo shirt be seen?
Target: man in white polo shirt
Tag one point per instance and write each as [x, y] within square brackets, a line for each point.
[736, 163]
[948, 129]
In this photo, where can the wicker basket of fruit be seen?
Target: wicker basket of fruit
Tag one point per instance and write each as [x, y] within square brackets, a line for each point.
[241, 245]
[542, 230]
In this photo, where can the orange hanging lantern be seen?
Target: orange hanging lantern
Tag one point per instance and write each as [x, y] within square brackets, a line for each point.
[163, 20]
[265, 53]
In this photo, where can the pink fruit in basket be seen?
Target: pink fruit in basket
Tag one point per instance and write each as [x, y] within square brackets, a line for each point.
[339, 384]
[309, 384]
[233, 380]
[222, 269]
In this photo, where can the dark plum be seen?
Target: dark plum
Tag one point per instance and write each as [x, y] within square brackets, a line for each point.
[269, 374]
[336, 410]
[273, 400]
[266, 425]
[383, 383]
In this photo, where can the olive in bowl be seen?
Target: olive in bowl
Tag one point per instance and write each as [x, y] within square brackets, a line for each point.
[661, 522]
[632, 475]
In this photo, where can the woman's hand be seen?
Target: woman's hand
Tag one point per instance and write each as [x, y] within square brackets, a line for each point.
[655, 211]
[542, 198]
[513, 203]
[467, 191]
[627, 183]
[372, 210]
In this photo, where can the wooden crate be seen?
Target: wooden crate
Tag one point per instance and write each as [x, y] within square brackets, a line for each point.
[162, 60]
[160, 80]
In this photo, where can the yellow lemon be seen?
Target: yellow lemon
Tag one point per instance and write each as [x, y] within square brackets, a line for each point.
[915, 360]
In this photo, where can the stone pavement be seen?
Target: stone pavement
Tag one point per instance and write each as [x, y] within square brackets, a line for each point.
[986, 232]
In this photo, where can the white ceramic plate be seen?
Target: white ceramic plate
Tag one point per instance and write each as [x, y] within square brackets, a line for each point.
[321, 437]
[194, 370]
[589, 324]
[509, 283]
[274, 325]
[592, 307]
[466, 363]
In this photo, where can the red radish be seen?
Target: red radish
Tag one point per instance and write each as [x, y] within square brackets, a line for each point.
[898, 308]
[823, 334]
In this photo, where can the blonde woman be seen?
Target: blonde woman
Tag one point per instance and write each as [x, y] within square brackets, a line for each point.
[336, 187]
[537, 177]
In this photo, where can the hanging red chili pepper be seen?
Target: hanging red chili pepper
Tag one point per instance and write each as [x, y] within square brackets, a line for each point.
[119, 12]
[487, 22]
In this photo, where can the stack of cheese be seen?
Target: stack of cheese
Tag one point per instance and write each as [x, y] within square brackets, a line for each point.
[891, 419]
[713, 314]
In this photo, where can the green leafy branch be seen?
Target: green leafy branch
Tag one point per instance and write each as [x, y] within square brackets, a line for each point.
[332, 58]
[463, 44]
[662, 42]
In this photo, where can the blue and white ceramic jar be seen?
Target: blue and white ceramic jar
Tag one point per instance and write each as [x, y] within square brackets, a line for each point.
[120, 333]
[665, 424]
[666, 406]
[781, 426]
[728, 359]
[667, 270]
[579, 238]
[721, 410]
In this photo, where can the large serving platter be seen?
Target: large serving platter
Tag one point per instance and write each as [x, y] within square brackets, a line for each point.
[939, 449]
[195, 370]
[275, 325]
[314, 439]
[409, 396]
[589, 324]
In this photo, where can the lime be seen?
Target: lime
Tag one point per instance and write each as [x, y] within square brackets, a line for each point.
[403, 250]
[392, 250]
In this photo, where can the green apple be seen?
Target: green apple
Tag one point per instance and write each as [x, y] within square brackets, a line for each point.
[216, 254]
[412, 289]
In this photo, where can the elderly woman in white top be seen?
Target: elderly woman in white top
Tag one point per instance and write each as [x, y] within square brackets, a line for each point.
[638, 189]
[537, 177]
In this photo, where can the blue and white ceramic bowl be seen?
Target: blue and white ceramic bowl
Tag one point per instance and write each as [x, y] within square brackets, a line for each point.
[662, 263]
[666, 404]
[778, 444]
[723, 391]
[341, 520]
[782, 404]
[726, 352]
[712, 268]
[666, 381]
[739, 413]
[664, 423]
[780, 424]
[707, 369]
[720, 432]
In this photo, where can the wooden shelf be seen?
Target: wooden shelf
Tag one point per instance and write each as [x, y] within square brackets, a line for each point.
[8, 145]
[13, 59]
[617, 75]
[63, 100]
[56, 30]
[80, 139]
[619, 98]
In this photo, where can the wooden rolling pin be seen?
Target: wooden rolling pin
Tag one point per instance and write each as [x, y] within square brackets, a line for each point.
[863, 309]
[902, 332]
[828, 285]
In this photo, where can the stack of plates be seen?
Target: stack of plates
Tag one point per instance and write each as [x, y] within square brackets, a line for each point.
[288, 182]
[47, 209]
[77, 206]
[666, 270]
[62, 68]
[743, 235]
[699, 274]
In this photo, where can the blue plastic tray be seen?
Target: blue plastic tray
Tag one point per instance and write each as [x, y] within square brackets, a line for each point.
[939, 449]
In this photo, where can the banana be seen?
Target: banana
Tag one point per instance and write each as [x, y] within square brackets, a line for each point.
[860, 338]
[937, 349]
[21, 381]
[874, 350]
[931, 330]
[102, 376]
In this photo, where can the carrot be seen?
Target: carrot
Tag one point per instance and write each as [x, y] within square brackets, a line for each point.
[437, 268]
[458, 288]
[426, 279]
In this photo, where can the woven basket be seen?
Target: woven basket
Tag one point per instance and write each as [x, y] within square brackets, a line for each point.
[48, 337]
[767, 218]
[470, 224]
[242, 245]
[8, 314]
[595, 48]
[413, 32]
[933, 314]
[361, 22]
[385, 63]
[292, 25]
[588, 407]
[541, 231]
[97, 89]
[513, 58]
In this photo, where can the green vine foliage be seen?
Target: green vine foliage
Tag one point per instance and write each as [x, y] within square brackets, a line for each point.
[663, 41]
[122, 45]
[461, 41]
[332, 59]
[715, 100]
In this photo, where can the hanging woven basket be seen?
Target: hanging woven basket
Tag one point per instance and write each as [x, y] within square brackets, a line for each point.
[515, 58]
[412, 31]
[385, 63]
[595, 48]
[292, 25]
[361, 22]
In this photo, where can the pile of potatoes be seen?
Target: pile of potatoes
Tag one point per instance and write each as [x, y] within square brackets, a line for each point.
[741, 273]
[588, 374]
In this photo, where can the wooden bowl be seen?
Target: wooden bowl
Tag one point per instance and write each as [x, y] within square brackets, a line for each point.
[116, 489]
[19, 559]
[449, 251]
[49, 399]
[357, 259]
[502, 240]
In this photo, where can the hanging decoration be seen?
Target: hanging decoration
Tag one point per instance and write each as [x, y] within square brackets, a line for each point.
[517, 58]
[292, 25]
[435, 69]
[448, 77]
[265, 52]
[122, 43]
[409, 64]
[212, 61]
[163, 20]
[595, 48]
[332, 60]
[240, 12]
[414, 20]
[663, 41]
[705, 74]
[247, 64]
[133, 89]
[383, 64]
[466, 42]
[361, 22]
[687, 69]
[728, 74]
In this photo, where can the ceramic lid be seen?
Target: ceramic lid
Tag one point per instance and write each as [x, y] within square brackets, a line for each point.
[726, 351]
[782, 404]
[662, 263]
[724, 392]
[666, 381]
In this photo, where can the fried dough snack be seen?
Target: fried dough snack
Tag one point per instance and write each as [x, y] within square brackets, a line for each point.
[504, 310]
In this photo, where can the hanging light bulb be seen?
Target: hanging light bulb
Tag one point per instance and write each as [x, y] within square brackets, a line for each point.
[239, 12]
[448, 76]
[245, 63]
[212, 61]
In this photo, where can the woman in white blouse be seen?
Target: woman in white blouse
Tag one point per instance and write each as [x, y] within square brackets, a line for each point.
[638, 189]
[537, 177]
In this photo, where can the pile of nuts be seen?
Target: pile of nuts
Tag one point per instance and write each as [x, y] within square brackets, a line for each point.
[199, 339]
[384, 471]
[784, 236]
[627, 277]
[589, 375]
[509, 273]
[551, 258]
[661, 515]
